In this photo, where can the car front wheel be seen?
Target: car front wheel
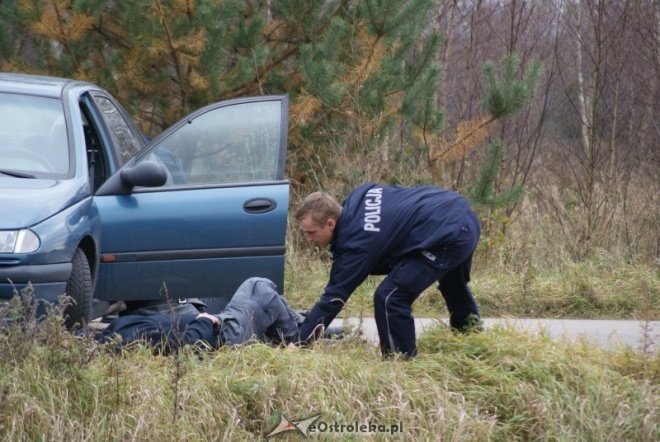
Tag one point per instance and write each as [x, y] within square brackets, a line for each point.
[79, 288]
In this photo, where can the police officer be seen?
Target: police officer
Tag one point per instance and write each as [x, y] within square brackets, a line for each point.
[414, 235]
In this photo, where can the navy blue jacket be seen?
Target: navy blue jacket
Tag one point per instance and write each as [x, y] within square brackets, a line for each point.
[163, 332]
[378, 226]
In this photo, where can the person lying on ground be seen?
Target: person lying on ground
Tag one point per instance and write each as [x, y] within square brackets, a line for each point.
[255, 312]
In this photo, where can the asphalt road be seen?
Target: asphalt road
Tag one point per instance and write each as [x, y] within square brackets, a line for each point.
[608, 334]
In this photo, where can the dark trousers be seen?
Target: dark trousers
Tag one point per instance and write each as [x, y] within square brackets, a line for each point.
[450, 265]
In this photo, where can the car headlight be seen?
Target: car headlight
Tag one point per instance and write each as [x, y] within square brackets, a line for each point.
[18, 241]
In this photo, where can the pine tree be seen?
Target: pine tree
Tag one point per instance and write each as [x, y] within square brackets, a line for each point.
[505, 95]
[482, 193]
[359, 73]
[372, 72]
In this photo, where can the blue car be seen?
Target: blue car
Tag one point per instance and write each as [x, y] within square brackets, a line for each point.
[88, 208]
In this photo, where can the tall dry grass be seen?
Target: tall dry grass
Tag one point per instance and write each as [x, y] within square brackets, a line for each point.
[498, 385]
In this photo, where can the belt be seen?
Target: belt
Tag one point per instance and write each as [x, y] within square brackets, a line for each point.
[156, 302]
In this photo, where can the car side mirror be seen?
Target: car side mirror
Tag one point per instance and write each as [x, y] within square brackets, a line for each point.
[144, 174]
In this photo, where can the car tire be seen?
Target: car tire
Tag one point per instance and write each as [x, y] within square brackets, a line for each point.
[79, 288]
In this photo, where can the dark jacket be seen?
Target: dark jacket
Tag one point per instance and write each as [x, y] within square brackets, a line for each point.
[162, 331]
[379, 226]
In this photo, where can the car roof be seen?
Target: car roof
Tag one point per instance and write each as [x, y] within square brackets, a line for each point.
[33, 84]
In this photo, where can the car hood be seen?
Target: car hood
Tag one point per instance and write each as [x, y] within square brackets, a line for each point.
[26, 202]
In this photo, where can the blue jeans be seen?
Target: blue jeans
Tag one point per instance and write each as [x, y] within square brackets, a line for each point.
[257, 311]
[450, 265]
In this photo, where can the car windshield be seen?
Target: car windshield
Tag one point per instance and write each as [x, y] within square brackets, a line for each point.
[33, 137]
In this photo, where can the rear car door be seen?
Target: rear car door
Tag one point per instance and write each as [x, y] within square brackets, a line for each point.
[219, 219]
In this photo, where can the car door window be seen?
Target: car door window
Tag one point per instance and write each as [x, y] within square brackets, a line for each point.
[126, 141]
[230, 143]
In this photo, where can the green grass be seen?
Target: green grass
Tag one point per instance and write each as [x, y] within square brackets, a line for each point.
[498, 385]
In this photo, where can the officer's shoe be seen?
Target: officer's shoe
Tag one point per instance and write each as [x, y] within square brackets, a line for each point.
[471, 324]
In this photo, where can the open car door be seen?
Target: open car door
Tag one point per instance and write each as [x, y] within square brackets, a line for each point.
[219, 218]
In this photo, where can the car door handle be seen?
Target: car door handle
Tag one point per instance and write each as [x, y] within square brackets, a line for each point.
[259, 205]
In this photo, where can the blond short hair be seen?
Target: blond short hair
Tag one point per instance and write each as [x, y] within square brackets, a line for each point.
[321, 206]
